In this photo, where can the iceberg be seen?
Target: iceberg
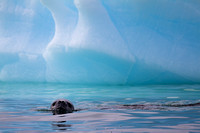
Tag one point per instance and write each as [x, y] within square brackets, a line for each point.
[132, 42]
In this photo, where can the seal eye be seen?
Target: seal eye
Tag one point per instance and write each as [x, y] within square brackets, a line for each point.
[53, 104]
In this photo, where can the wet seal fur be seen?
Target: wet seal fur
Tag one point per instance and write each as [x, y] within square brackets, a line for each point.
[62, 106]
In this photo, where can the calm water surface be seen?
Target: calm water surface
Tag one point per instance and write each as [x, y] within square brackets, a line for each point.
[23, 108]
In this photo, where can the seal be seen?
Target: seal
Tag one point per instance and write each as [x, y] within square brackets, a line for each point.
[62, 106]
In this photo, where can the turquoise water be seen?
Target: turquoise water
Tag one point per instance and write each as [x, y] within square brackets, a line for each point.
[23, 108]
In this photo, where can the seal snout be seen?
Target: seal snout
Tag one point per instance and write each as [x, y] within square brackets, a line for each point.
[62, 106]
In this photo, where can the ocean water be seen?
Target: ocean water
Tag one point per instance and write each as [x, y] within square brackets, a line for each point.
[24, 108]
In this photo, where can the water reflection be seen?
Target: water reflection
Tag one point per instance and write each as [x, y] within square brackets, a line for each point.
[61, 125]
[25, 108]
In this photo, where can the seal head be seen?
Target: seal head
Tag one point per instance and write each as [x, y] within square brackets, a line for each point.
[62, 106]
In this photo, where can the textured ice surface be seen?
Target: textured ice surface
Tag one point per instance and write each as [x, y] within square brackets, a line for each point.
[100, 41]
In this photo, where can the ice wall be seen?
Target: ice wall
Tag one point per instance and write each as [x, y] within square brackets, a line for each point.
[100, 41]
